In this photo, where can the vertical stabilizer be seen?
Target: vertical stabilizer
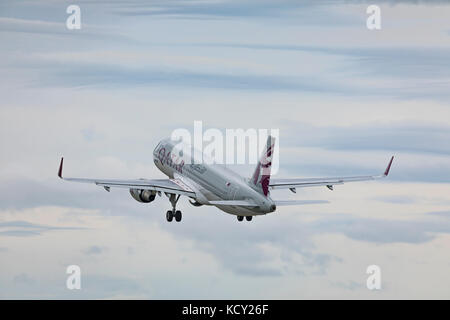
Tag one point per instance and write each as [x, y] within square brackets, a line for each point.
[261, 176]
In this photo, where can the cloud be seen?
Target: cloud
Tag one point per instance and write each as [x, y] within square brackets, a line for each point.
[100, 286]
[26, 229]
[383, 231]
[421, 151]
[109, 76]
[23, 279]
[35, 193]
[413, 62]
[266, 248]
[31, 26]
[98, 75]
[95, 250]
[211, 9]
[405, 73]
[396, 199]
[274, 248]
[382, 70]
[248, 9]
[424, 73]
[59, 30]
[445, 214]
[393, 137]
[348, 285]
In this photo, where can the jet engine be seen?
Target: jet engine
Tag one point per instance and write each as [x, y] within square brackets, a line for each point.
[144, 196]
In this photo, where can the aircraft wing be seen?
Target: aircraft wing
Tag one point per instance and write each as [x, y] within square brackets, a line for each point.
[175, 186]
[329, 182]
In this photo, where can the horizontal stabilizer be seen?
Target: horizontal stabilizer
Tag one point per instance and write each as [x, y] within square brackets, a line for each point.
[298, 202]
[243, 203]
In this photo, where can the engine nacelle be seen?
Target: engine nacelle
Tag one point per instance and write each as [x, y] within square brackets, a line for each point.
[144, 196]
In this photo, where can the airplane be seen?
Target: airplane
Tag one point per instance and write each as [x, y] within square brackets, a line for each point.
[216, 185]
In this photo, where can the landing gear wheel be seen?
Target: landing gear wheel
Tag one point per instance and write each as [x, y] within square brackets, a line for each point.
[248, 218]
[173, 198]
[240, 218]
[178, 216]
[169, 215]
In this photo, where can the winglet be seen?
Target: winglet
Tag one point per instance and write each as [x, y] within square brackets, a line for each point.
[386, 172]
[60, 168]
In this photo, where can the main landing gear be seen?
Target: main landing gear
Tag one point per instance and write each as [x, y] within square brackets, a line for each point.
[170, 214]
[248, 218]
[174, 213]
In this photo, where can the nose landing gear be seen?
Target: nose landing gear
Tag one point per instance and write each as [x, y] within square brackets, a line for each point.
[174, 213]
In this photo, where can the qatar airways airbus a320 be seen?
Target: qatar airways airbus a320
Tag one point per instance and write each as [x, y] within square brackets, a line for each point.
[217, 185]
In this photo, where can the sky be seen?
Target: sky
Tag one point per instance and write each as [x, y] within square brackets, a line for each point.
[344, 98]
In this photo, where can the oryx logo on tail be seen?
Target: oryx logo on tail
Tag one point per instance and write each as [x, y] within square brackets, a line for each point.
[261, 176]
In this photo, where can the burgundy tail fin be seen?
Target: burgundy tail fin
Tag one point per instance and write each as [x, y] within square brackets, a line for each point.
[261, 176]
